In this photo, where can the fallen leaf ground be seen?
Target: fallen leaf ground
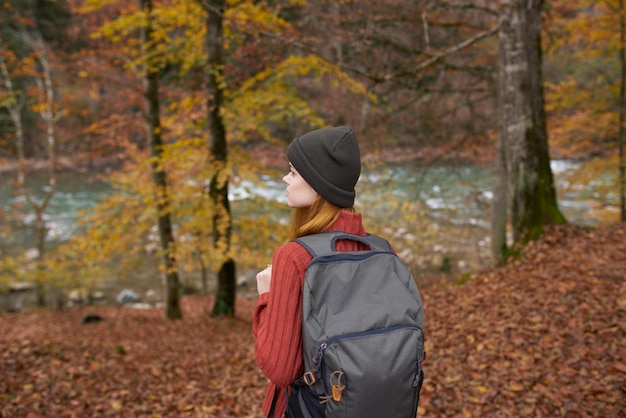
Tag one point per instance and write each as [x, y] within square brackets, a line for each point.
[542, 337]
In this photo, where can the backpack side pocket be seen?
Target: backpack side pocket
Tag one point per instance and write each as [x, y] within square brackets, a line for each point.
[303, 402]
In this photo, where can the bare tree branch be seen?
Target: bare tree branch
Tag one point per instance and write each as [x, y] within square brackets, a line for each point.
[358, 71]
[452, 50]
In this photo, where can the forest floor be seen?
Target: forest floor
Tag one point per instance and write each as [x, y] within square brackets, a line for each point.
[544, 336]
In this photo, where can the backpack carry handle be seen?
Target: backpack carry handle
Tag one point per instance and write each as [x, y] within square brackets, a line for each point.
[326, 242]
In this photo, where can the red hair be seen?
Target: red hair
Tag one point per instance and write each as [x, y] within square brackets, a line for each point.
[315, 219]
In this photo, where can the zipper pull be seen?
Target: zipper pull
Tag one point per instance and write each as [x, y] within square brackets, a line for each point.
[335, 381]
[317, 358]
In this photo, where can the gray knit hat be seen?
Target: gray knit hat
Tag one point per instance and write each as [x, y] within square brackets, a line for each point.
[330, 161]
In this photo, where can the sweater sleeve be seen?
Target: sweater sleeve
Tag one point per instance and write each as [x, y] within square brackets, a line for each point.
[277, 320]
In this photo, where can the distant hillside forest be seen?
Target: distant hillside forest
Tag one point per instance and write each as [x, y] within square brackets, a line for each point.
[414, 79]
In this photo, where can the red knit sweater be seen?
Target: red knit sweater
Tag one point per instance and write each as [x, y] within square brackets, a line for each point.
[277, 320]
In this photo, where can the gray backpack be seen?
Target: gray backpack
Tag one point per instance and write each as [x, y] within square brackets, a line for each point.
[362, 333]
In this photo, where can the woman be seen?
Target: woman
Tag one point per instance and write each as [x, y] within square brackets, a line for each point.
[325, 166]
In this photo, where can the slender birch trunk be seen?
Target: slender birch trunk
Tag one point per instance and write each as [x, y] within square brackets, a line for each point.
[159, 176]
[222, 223]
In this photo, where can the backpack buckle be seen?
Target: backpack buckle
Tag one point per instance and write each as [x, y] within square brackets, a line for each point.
[309, 378]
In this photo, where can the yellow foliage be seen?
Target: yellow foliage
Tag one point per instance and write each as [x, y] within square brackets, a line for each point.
[582, 106]
[246, 110]
[122, 228]
[9, 270]
[252, 17]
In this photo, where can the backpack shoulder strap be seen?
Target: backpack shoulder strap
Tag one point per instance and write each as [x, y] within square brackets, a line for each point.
[324, 243]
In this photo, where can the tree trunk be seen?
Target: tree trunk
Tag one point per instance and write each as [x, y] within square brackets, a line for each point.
[40, 273]
[47, 112]
[151, 86]
[622, 110]
[522, 136]
[50, 118]
[499, 209]
[222, 223]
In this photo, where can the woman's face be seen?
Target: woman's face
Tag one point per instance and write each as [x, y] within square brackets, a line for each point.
[299, 193]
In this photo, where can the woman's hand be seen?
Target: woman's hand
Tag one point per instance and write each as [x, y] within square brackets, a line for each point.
[263, 280]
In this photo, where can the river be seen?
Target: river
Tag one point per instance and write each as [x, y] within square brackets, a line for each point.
[456, 197]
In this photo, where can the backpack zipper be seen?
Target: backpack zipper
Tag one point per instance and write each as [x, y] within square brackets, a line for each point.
[368, 333]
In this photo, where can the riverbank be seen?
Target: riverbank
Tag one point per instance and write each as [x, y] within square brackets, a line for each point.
[272, 156]
[80, 163]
